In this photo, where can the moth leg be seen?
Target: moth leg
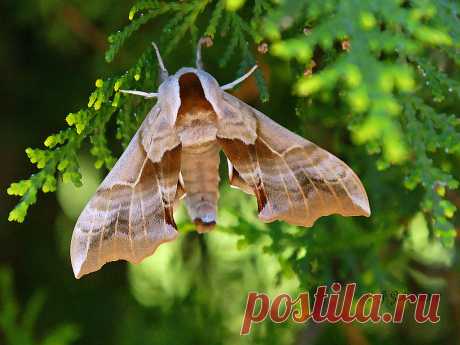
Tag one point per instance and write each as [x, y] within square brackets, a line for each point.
[163, 71]
[141, 93]
[202, 41]
[239, 80]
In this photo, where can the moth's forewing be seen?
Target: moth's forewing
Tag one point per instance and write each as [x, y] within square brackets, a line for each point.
[293, 179]
[131, 213]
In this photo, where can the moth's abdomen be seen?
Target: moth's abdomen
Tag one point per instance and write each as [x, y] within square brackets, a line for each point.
[200, 173]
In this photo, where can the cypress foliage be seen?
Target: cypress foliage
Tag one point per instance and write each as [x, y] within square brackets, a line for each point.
[376, 82]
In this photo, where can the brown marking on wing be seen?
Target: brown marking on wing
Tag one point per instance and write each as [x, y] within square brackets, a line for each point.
[243, 157]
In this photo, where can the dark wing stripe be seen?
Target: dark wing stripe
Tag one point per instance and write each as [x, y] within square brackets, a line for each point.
[286, 190]
[115, 233]
[275, 160]
[326, 183]
[144, 222]
[158, 192]
[130, 227]
[304, 180]
[340, 179]
[307, 177]
[90, 231]
[104, 228]
[243, 161]
[305, 200]
[264, 193]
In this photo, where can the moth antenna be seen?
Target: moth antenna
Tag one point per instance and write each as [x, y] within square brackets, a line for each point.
[163, 71]
[239, 80]
[202, 41]
[141, 93]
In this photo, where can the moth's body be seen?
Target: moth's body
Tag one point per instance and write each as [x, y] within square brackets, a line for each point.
[176, 152]
[197, 128]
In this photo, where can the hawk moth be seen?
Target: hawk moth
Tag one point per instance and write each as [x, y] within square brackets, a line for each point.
[175, 154]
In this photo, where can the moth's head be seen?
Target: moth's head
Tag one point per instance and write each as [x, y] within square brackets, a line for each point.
[193, 82]
[188, 78]
[188, 81]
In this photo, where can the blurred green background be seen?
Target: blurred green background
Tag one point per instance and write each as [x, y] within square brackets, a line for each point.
[193, 291]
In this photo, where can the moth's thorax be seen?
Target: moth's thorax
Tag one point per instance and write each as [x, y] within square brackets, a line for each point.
[196, 121]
